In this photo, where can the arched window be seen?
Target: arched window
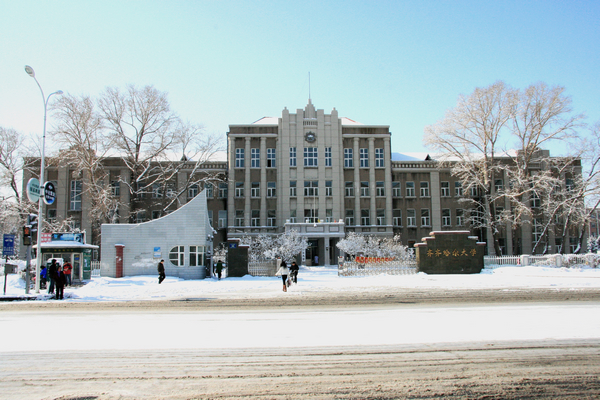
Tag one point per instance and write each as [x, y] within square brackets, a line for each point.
[176, 256]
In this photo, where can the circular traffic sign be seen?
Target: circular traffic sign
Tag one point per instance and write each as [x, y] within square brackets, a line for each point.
[33, 190]
[49, 193]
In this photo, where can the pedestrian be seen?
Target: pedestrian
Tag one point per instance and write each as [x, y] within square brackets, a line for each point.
[52, 274]
[316, 260]
[294, 268]
[60, 283]
[67, 269]
[43, 277]
[219, 268]
[283, 271]
[161, 271]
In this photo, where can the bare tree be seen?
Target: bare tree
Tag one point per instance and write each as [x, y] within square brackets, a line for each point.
[11, 160]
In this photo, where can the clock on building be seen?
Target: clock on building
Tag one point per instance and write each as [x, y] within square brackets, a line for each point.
[310, 137]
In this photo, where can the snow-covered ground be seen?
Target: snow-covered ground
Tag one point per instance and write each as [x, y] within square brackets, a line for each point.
[312, 279]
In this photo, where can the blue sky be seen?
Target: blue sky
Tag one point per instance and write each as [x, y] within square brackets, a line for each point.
[396, 63]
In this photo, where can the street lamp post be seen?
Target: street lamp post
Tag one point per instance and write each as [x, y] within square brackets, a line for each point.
[31, 73]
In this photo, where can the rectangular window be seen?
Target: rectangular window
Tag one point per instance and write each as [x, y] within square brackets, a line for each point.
[140, 217]
[445, 189]
[293, 156]
[349, 217]
[293, 216]
[310, 215]
[498, 185]
[271, 189]
[364, 189]
[239, 158]
[411, 217]
[115, 188]
[569, 185]
[311, 156]
[328, 188]
[209, 190]
[349, 189]
[192, 191]
[196, 256]
[424, 189]
[156, 191]
[536, 201]
[239, 217]
[380, 189]
[460, 217]
[170, 191]
[458, 191]
[446, 217]
[239, 189]
[328, 156]
[311, 188]
[271, 218]
[293, 192]
[397, 217]
[155, 214]
[396, 189]
[474, 191]
[255, 189]
[538, 228]
[364, 158]
[380, 216]
[425, 217]
[379, 158]
[329, 215]
[255, 158]
[255, 220]
[365, 217]
[348, 160]
[222, 190]
[410, 189]
[271, 158]
[222, 219]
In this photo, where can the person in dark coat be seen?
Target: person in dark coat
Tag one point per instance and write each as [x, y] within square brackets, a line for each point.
[161, 271]
[52, 274]
[294, 268]
[219, 269]
[60, 280]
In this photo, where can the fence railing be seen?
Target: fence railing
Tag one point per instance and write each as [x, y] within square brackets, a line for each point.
[550, 260]
[353, 268]
[95, 265]
[262, 268]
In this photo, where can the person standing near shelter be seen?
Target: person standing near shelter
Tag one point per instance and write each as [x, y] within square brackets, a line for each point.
[60, 283]
[67, 269]
[52, 275]
[161, 271]
[283, 271]
[219, 269]
[294, 268]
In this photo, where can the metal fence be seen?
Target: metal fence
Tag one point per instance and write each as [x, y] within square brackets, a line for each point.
[549, 260]
[95, 265]
[353, 268]
[262, 268]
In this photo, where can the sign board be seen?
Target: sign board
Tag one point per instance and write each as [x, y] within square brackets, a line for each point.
[46, 237]
[157, 252]
[49, 193]
[71, 237]
[9, 245]
[33, 190]
[10, 269]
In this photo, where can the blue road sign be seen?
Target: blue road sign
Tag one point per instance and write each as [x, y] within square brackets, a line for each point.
[9, 245]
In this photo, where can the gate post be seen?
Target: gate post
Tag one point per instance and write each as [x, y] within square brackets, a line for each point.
[119, 260]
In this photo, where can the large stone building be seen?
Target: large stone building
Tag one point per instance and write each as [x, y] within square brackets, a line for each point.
[321, 174]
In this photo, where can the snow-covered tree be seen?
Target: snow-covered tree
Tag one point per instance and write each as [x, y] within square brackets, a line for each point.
[268, 247]
[372, 246]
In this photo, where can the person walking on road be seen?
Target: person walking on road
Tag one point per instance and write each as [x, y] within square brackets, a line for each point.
[219, 269]
[294, 268]
[161, 271]
[283, 271]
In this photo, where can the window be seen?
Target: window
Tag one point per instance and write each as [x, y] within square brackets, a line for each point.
[176, 256]
[293, 189]
[365, 217]
[222, 219]
[397, 217]
[239, 217]
[192, 191]
[328, 188]
[293, 216]
[239, 189]
[445, 189]
[380, 216]
[498, 185]
[474, 191]
[536, 202]
[255, 189]
[410, 189]
[396, 189]
[348, 161]
[364, 158]
[328, 156]
[569, 185]
[310, 215]
[255, 158]
[196, 256]
[239, 158]
[51, 216]
[380, 189]
[115, 187]
[458, 191]
[75, 199]
[573, 244]
[425, 217]
[271, 218]
[311, 188]
[329, 215]
[538, 228]
[293, 156]
[155, 214]
[271, 158]
[364, 189]
[311, 156]
[255, 219]
[446, 217]
[349, 189]
[424, 189]
[349, 217]
[170, 191]
[411, 217]
[460, 220]
[271, 189]
[140, 217]
[209, 190]
[156, 191]
[222, 190]
[378, 158]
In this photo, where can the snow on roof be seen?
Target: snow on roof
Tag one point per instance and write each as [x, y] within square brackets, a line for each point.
[66, 244]
[348, 121]
[409, 156]
[267, 121]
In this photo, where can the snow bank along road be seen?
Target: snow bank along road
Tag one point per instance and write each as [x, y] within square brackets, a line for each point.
[390, 345]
